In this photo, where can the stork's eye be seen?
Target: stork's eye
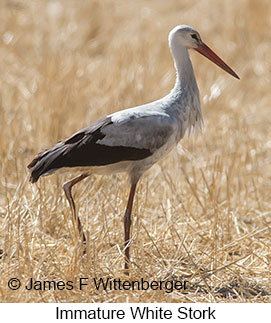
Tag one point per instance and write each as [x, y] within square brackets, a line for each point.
[194, 36]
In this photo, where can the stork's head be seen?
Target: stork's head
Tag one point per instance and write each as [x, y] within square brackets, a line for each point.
[189, 38]
[186, 35]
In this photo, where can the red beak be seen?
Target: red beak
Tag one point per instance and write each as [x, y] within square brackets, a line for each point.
[207, 52]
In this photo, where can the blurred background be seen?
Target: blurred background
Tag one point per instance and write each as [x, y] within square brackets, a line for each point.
[204, 209]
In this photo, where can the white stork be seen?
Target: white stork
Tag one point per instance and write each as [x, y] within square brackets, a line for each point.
[134, 139]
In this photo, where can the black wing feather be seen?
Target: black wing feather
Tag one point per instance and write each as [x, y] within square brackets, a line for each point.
[82, 149]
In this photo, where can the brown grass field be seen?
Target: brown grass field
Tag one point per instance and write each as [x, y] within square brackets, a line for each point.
[203, 214]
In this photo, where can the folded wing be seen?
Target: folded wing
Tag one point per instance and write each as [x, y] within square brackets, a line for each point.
[106, 141]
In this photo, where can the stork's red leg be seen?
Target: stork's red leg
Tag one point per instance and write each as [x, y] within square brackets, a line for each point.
[67, 187]
[127, 225]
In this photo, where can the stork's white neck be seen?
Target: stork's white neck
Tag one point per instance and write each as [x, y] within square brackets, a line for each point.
[185, 77]
[184, 97]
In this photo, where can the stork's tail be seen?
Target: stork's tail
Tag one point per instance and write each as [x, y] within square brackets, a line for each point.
[46, 162]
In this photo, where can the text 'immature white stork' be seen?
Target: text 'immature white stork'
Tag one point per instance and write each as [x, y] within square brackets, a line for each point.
[134, 139]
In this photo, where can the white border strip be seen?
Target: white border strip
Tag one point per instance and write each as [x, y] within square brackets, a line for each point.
[117, 312]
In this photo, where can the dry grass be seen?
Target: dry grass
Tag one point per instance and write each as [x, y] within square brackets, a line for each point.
[203, 215]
